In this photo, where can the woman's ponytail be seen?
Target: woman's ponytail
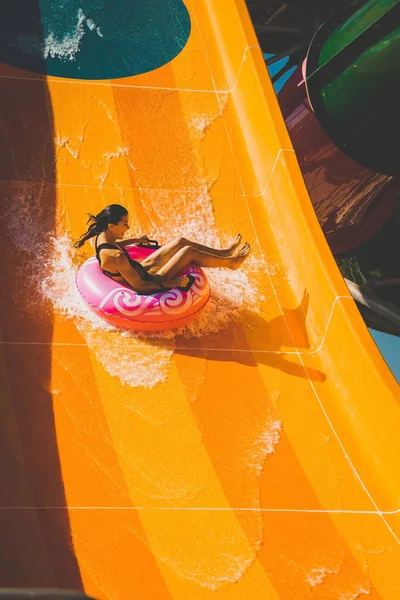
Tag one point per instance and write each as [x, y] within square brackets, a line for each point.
[99, 223]
[91, 232]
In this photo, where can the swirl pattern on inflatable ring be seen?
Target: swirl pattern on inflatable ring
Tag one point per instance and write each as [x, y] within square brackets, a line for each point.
[173, 302]
[129, 304]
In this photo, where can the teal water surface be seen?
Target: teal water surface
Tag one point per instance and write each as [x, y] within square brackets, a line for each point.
[94, 39]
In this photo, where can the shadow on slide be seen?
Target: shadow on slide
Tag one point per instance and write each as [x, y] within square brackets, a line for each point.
[35, 543]
[277, 333]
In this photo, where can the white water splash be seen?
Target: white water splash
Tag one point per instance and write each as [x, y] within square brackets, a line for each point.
[265, 444]
[134, 361]
[317, 576]
[142, 359]
[232, 292]
[65, 48]
[200, 124]
[68, 47]
[63, 142]
[362, 591]
[190, 214]
[108, 157]
[222, 564]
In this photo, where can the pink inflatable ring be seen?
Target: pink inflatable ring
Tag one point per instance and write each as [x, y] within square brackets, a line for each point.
[121, 306]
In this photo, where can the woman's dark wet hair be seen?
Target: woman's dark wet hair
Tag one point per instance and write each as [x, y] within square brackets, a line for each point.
[99, 223]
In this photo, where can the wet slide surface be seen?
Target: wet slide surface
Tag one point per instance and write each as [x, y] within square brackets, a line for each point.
[253, 454]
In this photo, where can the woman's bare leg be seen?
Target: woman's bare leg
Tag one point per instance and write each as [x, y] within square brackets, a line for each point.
[226, 252]
[189, 255]
[160, 257]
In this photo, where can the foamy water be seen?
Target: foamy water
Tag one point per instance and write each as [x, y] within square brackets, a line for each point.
[362, 591]
[135, 359]
[65, 48]
[224, 559]
[318, 576]
[121, 353]
[264, 444]
[140, 359]
[202, 123]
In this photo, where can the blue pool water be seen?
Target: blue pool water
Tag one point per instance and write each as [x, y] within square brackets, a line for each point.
[275, 68]
[389, 345]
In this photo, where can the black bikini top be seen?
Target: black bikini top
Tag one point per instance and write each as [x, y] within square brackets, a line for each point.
[140, 270]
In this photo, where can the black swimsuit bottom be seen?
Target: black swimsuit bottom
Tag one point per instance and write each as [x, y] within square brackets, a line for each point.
[140, 270]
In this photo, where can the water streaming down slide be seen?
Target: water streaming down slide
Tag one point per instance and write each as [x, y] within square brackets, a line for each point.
[253, 454]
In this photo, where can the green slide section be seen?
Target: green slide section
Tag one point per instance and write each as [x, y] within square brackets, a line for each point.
[353, 84]
[359, 22]
[93, 39]
[367, 87]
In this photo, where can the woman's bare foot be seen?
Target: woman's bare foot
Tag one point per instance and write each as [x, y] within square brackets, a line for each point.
[233, 248]
[240, 257]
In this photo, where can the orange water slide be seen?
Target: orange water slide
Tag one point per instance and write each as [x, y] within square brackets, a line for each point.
[252, 456]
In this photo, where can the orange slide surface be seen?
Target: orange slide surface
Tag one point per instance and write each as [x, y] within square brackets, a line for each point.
[252, 456]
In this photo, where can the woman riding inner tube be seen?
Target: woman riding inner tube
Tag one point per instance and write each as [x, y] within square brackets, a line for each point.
[155, 271]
